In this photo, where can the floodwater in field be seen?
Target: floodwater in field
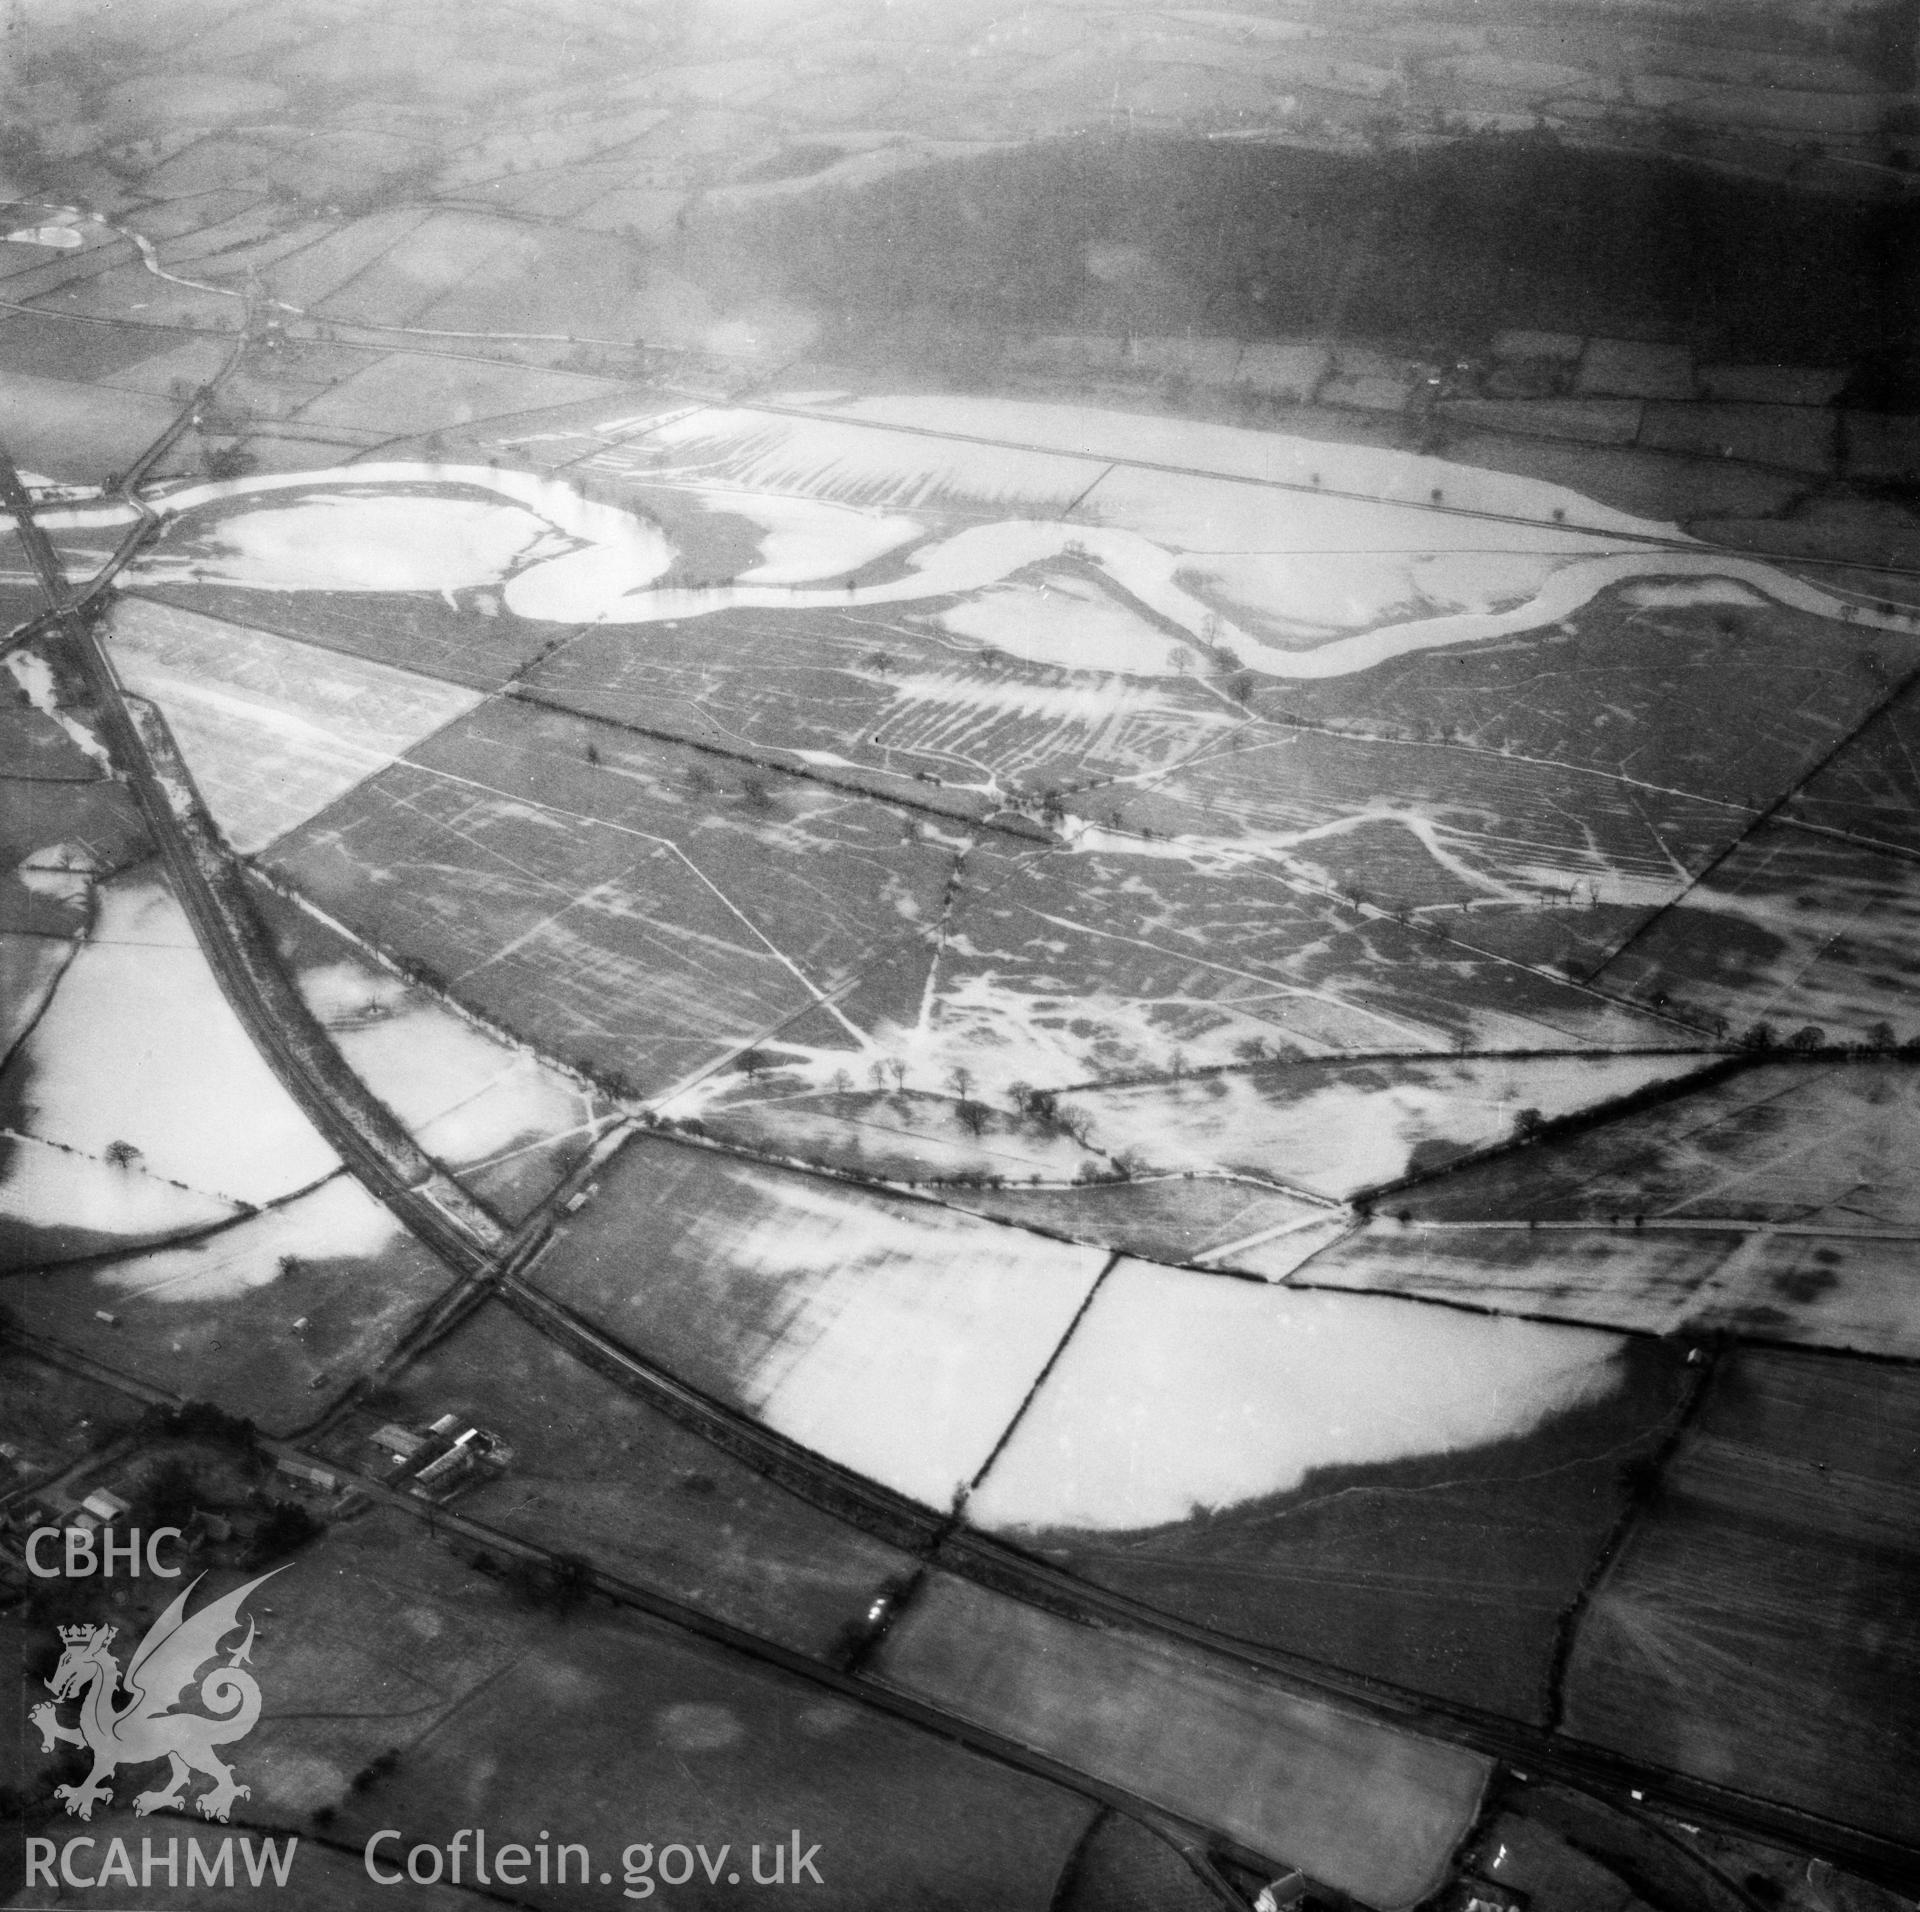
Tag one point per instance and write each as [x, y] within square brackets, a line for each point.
[467, 1097]
[1067, 622]
[338, 1221]
[1181, 1392]
[1336, 1131]
[1288, 556]
[52, 1187]
[138, 1051]
[34, 675]
[61, 238]
[903, 1339]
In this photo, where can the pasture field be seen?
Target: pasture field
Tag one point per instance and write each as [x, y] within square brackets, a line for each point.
[167, 360]
[1757, 1629]
[52, 1416]
[1729, 701]
[1124, 957]
[557, 192]
[252, 224]
[1122, 1858]
[891, 698]
[1793, 929]
[1797, 436]
[1443, 1573]
[642, 212]
[1333, 1129]
[272, 1315]
[1598, 421]
[1521, 859]
[168, 219]
[273, 730]
[564, 434]
[903, 1137]
[511, 1123]
[279, 448]
[644, 911]
[612, 1731]
[521, 163]
[351, 164]
[72, 351]
[508, 1124]
[32, 274]
[896, 1337]
[77, 432]
[1816, 1290]
[110, 294]
[1360, 1807]
[1871, 790]
[57, 835]
[305, 278]
[38, 749]
[1176, 1218]
[1671, 486]
[212, 166]
[464, 271]
[599, 1472]
[411, 630]
[31, 963]
[377, 1640]
[229, 255]
[410, 392]
[569, 283]
[1812, 1143]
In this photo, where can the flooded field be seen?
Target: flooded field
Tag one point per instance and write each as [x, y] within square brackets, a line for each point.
[562, 557]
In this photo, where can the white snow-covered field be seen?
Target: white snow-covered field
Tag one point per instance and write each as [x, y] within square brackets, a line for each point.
[1065, 621]
[1371, 473]
[139, 1046]
[468, 1098]
[337, 1221]
[1180, 1392]
[906, 1343]
[273, 730]
[1334, 1131]
[50, 1186]
[1685, 1281]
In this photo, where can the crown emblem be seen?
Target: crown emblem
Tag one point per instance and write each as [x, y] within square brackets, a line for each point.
[150, 1723]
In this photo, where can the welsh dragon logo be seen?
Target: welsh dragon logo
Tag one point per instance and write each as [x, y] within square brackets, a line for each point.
[145, 1727]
